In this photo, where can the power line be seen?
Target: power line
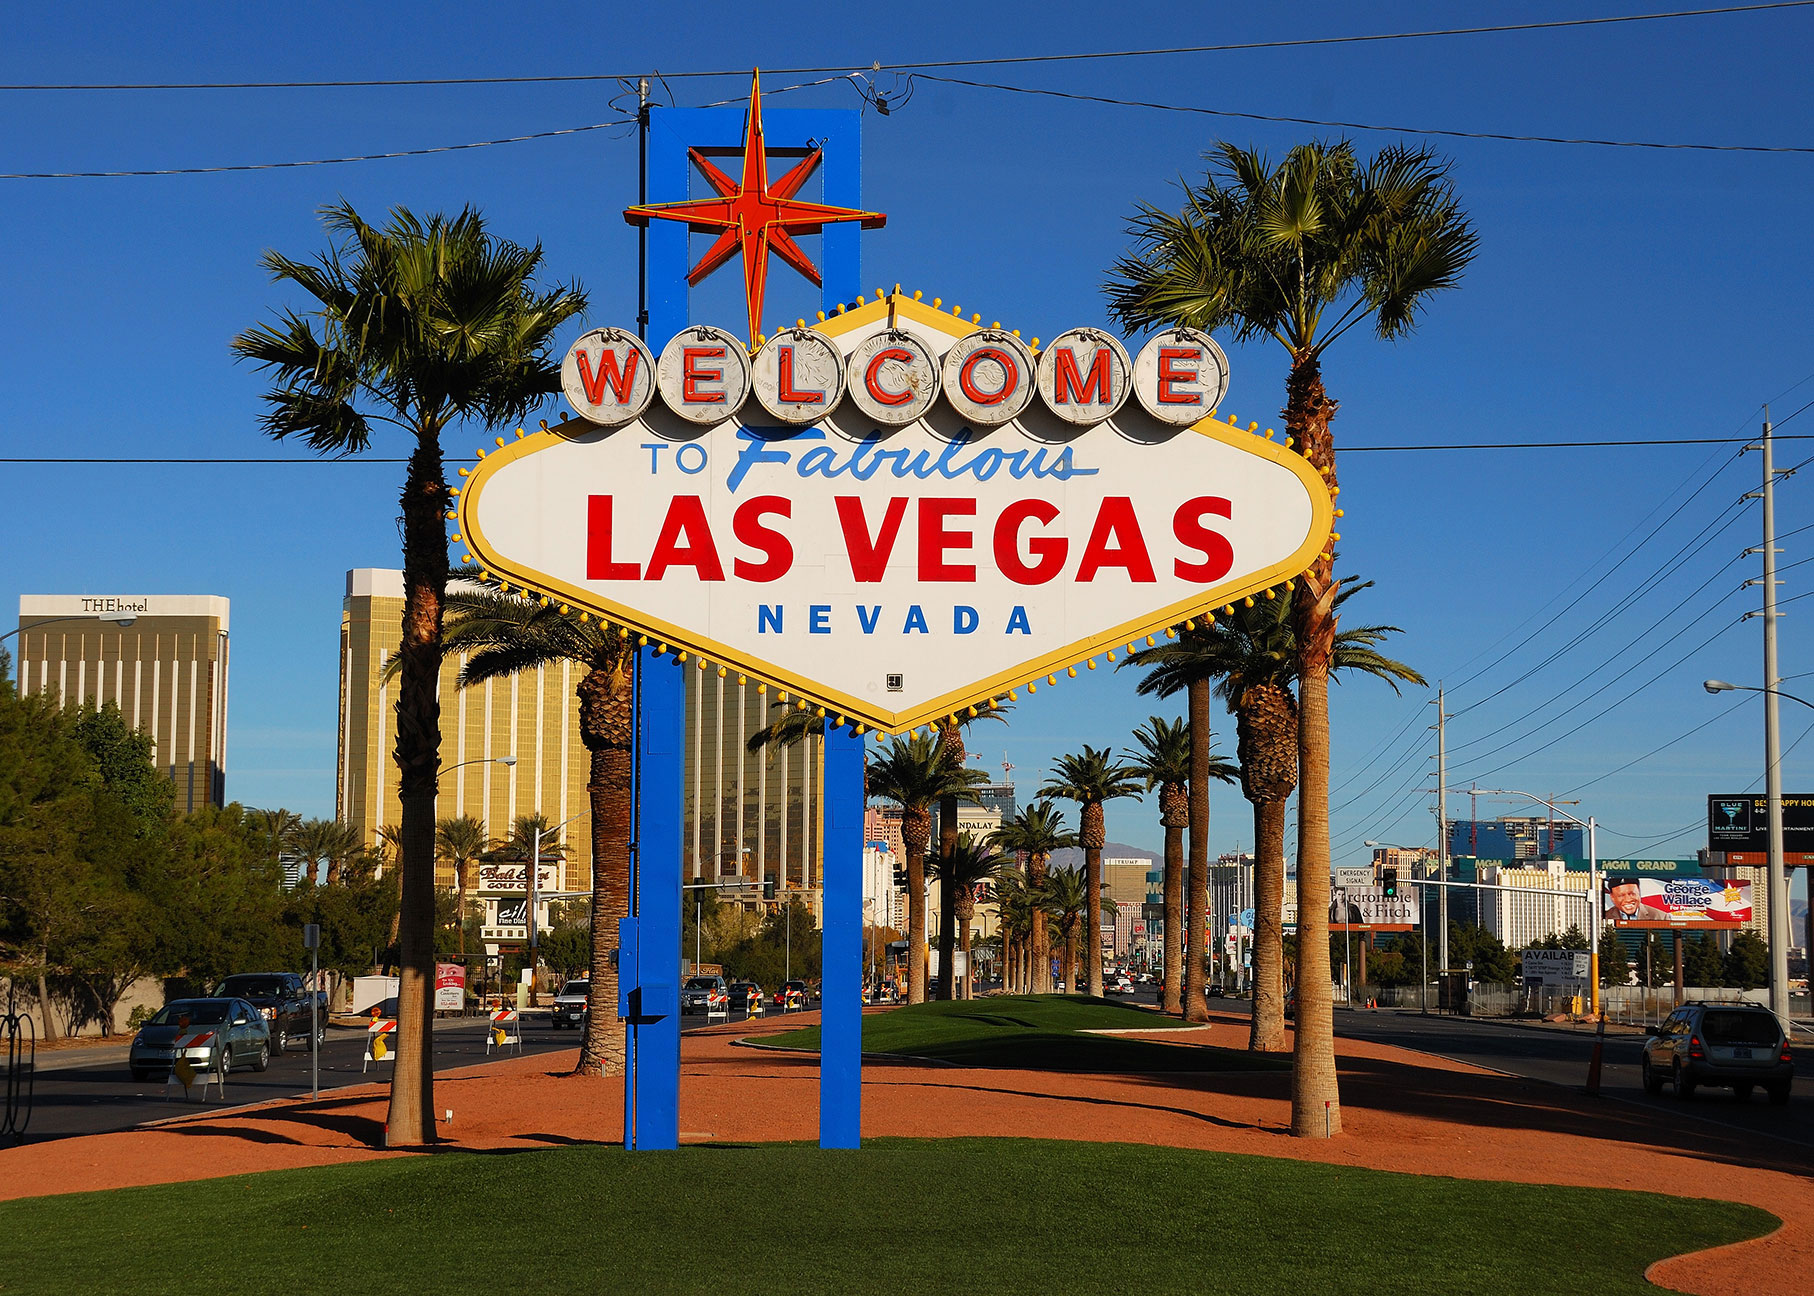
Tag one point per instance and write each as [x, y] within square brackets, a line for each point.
[1501, 136]
[1299, 43]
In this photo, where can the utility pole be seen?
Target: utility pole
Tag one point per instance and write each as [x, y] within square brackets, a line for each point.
[642, 198]
[1776, 880]
[1442, 835]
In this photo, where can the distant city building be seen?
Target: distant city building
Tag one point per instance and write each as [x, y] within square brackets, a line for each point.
[1124, 879]
[1516, 837]
[161, 658]
[1520, 921]
[884, 904]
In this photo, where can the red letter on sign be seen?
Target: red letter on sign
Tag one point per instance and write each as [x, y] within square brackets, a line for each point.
[1048, 551]
[872, 376]
[1069, 385]
[934, 539]
[1116, 521]
[692, 374]
[746, 522]
[607, 373]
[1170, 376]
[598, 543]
[1188, 526]
[869, 558]
[685, 521]
[784, 382]
[1010, 376]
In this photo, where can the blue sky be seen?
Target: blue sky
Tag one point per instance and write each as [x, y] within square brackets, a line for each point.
[1618, 294]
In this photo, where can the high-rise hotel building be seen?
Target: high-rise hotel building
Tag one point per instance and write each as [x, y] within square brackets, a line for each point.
[755, 816]
[161, 658]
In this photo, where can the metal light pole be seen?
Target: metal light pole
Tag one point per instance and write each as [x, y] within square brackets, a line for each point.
[1776, 879]
[1442, 835]
[121, 619]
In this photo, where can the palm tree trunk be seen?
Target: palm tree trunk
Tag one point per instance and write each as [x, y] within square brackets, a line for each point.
[1069, 960]
[963, 945]
[47, 1025]
[606, 727]
[1039, 933]
[1174, 919]
[915, 844]
[460, 867]
[410, 1121]
[1316, 1109]
[1196, 958]
[1267, 1033]
[1092, 935]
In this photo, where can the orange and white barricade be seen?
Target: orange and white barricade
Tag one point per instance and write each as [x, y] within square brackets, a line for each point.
[505, 1028]
[754, 1005]
[185, 1073]
[380, 1041]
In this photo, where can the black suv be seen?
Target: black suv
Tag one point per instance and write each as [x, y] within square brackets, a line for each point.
[283, 1000]
[1735, 1046]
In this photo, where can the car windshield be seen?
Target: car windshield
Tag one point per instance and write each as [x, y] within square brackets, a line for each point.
[796, 985]
[702, 983]
[200, 1012]
[256, 987]
[576, 988]
[1727, 1027]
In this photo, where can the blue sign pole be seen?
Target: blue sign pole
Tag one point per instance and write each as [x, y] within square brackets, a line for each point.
[652, 1081]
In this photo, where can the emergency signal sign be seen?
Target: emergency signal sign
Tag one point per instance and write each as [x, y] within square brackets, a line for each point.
[894, 513]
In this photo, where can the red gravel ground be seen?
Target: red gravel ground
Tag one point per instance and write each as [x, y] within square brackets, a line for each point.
[1403, 1111]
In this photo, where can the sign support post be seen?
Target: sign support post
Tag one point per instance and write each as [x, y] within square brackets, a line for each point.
[841, 999]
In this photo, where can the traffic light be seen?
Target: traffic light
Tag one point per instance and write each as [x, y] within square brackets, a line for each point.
[900, 878]
[1390, 879]
[768, 888]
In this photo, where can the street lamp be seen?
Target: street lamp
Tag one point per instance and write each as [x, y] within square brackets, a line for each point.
[1423, 932]
[1594, 916]
[110, 618]
[482, 760]
[1776, 877]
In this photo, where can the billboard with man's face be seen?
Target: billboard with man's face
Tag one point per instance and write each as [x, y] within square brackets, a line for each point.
[1710, 902]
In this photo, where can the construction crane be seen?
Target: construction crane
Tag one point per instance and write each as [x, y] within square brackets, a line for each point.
[1007, 770]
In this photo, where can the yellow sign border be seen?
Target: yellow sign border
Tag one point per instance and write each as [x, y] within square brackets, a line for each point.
[836, 703]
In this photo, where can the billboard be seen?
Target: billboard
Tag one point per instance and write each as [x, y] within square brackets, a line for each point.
[1569, 969]
[896, 512]
[450, 987]
[1738, 829]
[510, 921]
[513, 879]
[1708, 902]
[1369, 907]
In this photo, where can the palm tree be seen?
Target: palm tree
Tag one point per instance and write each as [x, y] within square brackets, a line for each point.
[461, 841]
[1302, 253]
[951, 743]
[1035, 834]
[1013, 914]
[1253, 656]
[1163, 761]
[968, 865]
[506, 635]
[1067, 899]
[419, 324]
[913, 774]
[1090, 779]
[317, 840]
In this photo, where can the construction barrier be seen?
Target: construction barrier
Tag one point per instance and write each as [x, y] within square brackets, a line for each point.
[755, 1005]
[380, 1041]
[505, 1029]
[796, 1002]
[183, 1072]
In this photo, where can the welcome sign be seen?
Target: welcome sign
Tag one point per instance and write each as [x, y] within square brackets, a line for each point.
[895, 513]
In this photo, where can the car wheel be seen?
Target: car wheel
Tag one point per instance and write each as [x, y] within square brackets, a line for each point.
[263, 1060]
[1653, 1083]
[1742, 1092]
[1779, 1093]
[1684, 1087]
[280, 1040]
[223, 1061]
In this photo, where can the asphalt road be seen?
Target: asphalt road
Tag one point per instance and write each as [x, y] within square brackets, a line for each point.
[97, 1097]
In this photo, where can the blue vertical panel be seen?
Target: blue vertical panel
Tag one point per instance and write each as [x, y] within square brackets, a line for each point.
[841, 1036]
[660, 742]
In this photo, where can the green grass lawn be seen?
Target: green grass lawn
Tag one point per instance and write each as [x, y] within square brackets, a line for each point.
[1037, 1032]
[996, 1216]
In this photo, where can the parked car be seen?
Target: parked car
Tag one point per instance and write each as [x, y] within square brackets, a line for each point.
[226, 1033]
[798, 989]
[284, 1000]
[705, 994]
[746, 995]
[570, 1003]
[1736, 1046]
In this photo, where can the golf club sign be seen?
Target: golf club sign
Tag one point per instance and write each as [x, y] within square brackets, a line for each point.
[894, 513]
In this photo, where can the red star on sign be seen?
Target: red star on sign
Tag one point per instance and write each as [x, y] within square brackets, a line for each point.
[753, 215]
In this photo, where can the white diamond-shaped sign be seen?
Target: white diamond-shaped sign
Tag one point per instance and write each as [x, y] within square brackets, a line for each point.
[895, 573]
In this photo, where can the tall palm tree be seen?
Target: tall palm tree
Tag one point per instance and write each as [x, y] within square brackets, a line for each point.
[503, 635]
[278, 828]
[420, 324]
[1013, 914]
[1066, 897]
[1164, 761]
[461, 841]
[330, 841]
[1302, 253]
[1253, 656]
[1091, 778]
[1036, 833]
[968, 865]
[912, 773]
[951, 743]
